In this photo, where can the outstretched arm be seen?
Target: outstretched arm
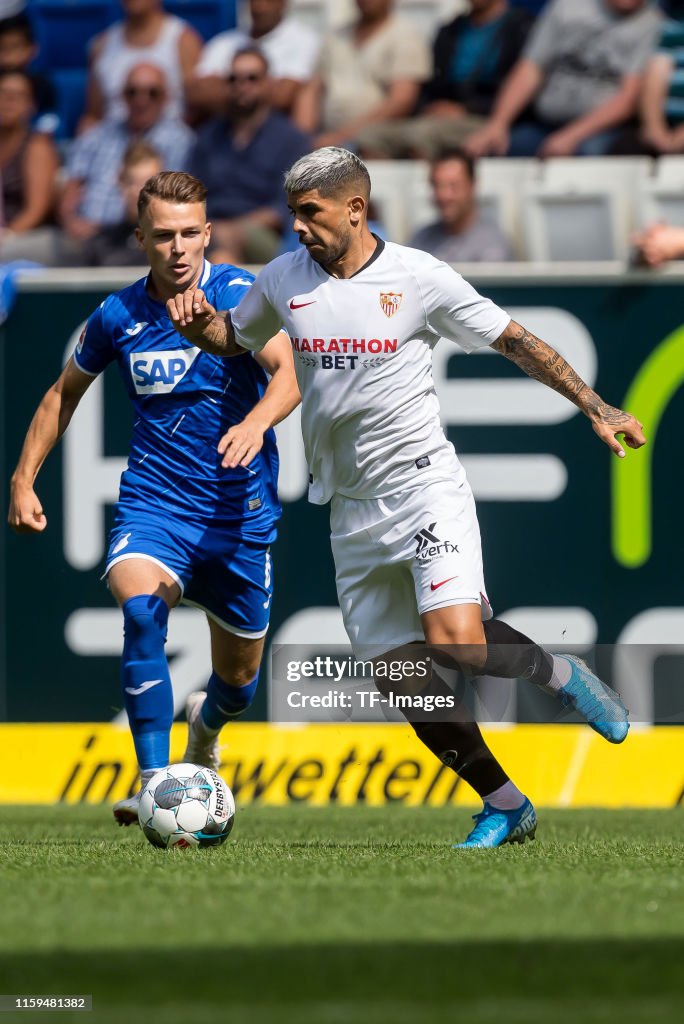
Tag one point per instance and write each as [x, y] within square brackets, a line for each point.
[543, 363]
[195, 318]
[242, 442]
[51, 419]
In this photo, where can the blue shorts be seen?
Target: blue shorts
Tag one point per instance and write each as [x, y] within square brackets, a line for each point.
[218, 570]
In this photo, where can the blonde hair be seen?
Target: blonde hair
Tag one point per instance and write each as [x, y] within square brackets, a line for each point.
[172, 187]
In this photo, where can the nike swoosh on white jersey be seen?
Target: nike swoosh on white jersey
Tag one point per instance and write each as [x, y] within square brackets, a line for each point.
[135, 691]
[132, 331]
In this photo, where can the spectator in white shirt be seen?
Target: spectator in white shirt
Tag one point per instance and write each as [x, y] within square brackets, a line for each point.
[146, 35]
[290, 48]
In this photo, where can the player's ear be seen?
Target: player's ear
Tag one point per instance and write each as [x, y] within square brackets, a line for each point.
[139, 237]
[207, 234]
[356, 206]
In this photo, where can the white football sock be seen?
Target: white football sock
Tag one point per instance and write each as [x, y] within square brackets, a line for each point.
[506, 798]
[201, 727]
[562, 670]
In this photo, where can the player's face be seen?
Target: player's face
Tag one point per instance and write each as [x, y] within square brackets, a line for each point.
[453, 191]
[174, 237]
[322, 224]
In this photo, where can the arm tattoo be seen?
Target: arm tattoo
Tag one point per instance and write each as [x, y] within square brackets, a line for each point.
[216, 336]
[541, 362]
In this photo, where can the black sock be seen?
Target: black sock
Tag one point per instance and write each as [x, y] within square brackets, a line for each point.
[513, 655]
[451, 735]
[461, 746]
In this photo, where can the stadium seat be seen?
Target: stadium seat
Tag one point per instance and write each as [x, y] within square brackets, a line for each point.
[583, 209]
[391, 182]
[70, 86]
[64, 29]
[578, 174]
[209, 17]
[587, 225]
[668, 172]
[661, 198]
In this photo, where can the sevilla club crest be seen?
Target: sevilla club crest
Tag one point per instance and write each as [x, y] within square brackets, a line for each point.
[390, 302]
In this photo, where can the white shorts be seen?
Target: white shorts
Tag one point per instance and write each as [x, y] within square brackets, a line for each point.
[399, 556]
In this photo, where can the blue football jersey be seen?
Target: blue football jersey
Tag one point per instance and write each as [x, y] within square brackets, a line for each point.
[184, 401]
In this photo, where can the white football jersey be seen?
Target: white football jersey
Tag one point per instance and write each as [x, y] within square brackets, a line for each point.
[362, 349]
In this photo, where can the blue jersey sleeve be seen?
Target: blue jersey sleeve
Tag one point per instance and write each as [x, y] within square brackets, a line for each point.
[231, 286]
[95, 349]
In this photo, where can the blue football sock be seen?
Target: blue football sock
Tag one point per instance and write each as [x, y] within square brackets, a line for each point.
[145, 679]
[225, 701]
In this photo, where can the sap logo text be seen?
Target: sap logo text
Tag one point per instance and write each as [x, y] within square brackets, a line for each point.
[158, 373]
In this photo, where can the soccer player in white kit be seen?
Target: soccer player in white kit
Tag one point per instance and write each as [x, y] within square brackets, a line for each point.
[363, 316]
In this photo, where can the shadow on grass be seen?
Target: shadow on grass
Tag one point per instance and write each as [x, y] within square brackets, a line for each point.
[438, 976]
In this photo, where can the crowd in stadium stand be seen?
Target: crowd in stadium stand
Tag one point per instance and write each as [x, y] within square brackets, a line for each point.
[517, 78]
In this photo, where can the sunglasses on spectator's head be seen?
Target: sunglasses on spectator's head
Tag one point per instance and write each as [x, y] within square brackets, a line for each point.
[253, 77]
[154, 92]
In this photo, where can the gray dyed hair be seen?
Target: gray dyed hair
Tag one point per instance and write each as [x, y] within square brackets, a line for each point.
[328, 170]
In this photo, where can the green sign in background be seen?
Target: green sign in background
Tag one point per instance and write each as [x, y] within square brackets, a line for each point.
[611, 543]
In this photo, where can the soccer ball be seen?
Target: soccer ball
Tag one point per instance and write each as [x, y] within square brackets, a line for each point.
[186, 805]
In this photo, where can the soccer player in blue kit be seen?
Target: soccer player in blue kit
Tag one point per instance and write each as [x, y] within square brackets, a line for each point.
[198, 502]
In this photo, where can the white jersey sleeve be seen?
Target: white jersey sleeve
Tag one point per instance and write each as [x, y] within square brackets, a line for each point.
[455, 310]
[255, 321]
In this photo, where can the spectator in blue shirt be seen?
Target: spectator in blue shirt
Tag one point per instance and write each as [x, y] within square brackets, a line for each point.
[241, 157]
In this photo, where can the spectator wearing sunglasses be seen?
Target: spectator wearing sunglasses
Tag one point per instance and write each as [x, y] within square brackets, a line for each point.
[147, 34]
[91, 198]
[242, 157]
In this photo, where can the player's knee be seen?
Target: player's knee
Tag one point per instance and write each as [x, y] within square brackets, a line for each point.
[146, 619]
[235, 671]
[464, 652]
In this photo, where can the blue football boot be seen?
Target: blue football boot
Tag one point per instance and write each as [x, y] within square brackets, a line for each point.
[599, 706]
[495, 827]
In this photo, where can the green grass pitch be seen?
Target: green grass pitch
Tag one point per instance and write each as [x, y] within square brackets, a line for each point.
[347, 916]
